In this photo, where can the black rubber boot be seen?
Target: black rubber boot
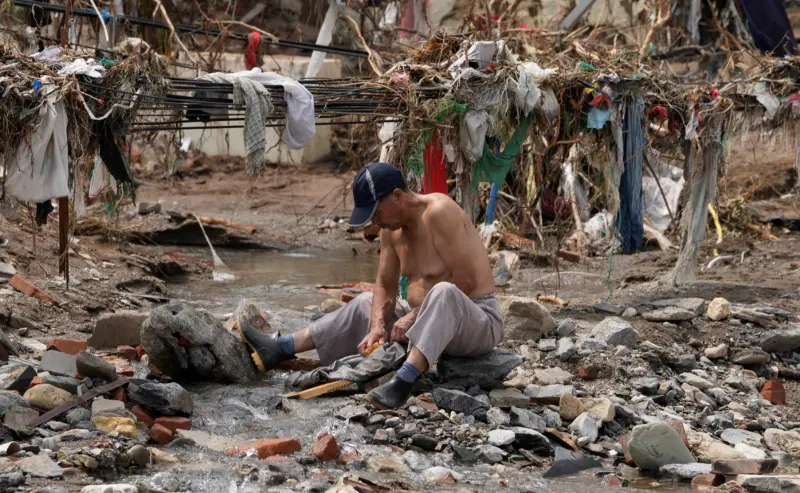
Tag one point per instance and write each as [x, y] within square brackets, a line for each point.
[391, 395]
[268, 353]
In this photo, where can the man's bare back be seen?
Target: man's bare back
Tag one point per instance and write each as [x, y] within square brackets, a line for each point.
[442, 246]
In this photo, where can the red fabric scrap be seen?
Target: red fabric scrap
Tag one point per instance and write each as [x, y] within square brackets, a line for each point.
[251, 54]
[434, 180]
[599, 99]
[658, 112]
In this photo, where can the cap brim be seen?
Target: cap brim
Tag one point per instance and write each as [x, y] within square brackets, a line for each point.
[361, 216]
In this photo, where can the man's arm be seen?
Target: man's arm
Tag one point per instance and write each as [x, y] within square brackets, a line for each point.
[447, 229]
[384, 295]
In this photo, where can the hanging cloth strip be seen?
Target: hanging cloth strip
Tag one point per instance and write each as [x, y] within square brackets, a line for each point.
[251, 53]
[435, 178]
[770, 27]
[494, 168]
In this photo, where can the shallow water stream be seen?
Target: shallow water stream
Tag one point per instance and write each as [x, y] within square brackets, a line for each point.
[282, 283]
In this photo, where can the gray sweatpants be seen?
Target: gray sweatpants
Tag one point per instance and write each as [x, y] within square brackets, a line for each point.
[448, 322]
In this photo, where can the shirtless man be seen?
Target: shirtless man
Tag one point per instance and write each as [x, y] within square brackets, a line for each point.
[451, 307]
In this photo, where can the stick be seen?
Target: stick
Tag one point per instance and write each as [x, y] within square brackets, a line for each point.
[230, 224]
[662, 240]
[172, 31]
[100, 16]
[372, 58]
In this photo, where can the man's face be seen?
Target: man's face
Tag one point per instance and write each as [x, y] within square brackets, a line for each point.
[389, 213]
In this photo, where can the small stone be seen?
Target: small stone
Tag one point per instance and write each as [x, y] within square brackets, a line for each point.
[609, 308]
[771, 484]
[508, 397]
[547, 345]
[441, 475]
[496, 416]
[386, 464]
[169, 399]
[668, 314]
[416, 461]
[600, 407]
[93, 366]
[566, 327]
[501, 438]
[146, 208]
[718, 309]
[749, 451]
[424, 442]
[527, 419]
[128, 352]
[326, 448]
[781, 341]
[774, 392]
[525, 318]
[552, 419]
[548, 394]
[734, 436]
[784, 441]
[569, 407]
[706, 448]
[58, 363]
[110, 488]
[716, 352]
[657, 444]
[16, 377]
[139, 455]
[586, 425]
[352, 413]
[566, 349]
[615, 332]
[567, 462]
[455, 400]
[19, 418]
[47, 397]
[110, 424]
[9, 448]
[489, 454]
[552, 376]
[588, 373]
[685, 471]
[484, 371]
[107, 407]
[40, 466]
[744, 466]
[749, 357]
[532, 440]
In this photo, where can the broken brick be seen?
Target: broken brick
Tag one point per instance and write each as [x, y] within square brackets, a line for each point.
[67, 346]
[677, 425]
[588, 372]
[36, 381]
[174, 423]
[743, 466]
[160, 434]
[702, 482]
[325, 448]
[774, 392]
[140, 352]
[623, 440]
[28, 288]
[347, 297]
[118, 394]
[128, 352]
[348, 457]
[142, 416]
[266, 447]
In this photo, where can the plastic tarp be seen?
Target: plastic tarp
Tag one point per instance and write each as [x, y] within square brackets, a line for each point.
[631, 228]
[354, 368]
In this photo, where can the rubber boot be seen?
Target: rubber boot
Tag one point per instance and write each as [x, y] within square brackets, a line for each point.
[267, 352]
[391, 395]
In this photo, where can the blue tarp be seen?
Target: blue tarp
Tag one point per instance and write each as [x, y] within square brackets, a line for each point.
[769, 25]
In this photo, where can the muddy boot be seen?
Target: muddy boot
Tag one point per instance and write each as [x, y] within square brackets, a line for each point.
[268, 354]
[391, 395]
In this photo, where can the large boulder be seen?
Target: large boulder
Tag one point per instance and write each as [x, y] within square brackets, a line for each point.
[525, 318]
[781, 341]
[190, 344]
[487, 371]
[657, 444]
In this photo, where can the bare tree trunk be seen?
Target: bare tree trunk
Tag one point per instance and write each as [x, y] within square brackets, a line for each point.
[702, 190]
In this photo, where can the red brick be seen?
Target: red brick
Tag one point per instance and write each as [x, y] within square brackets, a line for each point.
[128, 353]
[118, 394]
[325, 448]
[703, 482]
[774, 392]
[140, 351]
[623, 440]
[614, 481]
[347, 297]
[174, 423]
[743, 466]
[266, 447]
[36, 381]
[348, 457]
[677, 425]
[588, 372]
[142, 416]
[67, 346]
[160, 434]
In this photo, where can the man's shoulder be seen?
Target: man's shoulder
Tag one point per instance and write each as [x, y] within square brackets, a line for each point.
[441, 205]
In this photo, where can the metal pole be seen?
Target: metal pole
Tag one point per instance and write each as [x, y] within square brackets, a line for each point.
[63, 202]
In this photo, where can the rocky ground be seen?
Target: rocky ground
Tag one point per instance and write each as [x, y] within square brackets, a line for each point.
[650, 388]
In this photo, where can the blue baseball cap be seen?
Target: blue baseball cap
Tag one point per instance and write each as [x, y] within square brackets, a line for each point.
[371, 184]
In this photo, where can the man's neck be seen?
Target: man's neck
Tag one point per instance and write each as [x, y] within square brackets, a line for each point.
[416, 205]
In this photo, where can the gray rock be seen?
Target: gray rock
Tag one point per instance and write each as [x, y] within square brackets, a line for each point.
[107, 407]
[507, 397]
[547, 345]
[719, 395]
[669, 314]
[40, 466]
[11, 477]
[527, 419]
[552, 376]
[65, 383]
[489, 454]
[496, 416]
[566, 327]
[548, 392]
[139, 455]
[213, 353]
[16, 377]
[50, 443]
[781, 340]
[771, 484]
[484, 371]
[58, 363]
[416, 461]
[146, 208]
[609, 308]
[567, 462]
[682, 362]
[424, 442]
[590, 344]
[586, 425]
[734, 436]
[551, 418]
[716, 352]
[657, 444]
[501, 438]
[169, 399]
[455, 400]
[77, 415]
[352, 413]
[615, 332]
[122, 328]
[749, 357]
[629, 312]
[685, 471]
[696, 381]
[93, 366]
[57, 426]
[646, 385]
[18, 418]
[116, 488]
[696, 305]
[532, 440]
[566, 349]
[525, 318]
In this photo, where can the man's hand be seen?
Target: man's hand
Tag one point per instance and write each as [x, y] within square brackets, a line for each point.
[400, 327]
[374, 336]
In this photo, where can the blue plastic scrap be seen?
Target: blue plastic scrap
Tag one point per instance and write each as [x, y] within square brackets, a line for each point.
[598, 118]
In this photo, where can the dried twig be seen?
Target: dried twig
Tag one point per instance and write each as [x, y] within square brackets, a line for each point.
[160, 7]
[664, 14]
[374, 59]
[100, 17]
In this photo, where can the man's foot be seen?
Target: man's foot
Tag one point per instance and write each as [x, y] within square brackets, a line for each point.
[392, 394]
[268, 353]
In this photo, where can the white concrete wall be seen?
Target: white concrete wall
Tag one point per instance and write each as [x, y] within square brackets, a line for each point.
[231, 141]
